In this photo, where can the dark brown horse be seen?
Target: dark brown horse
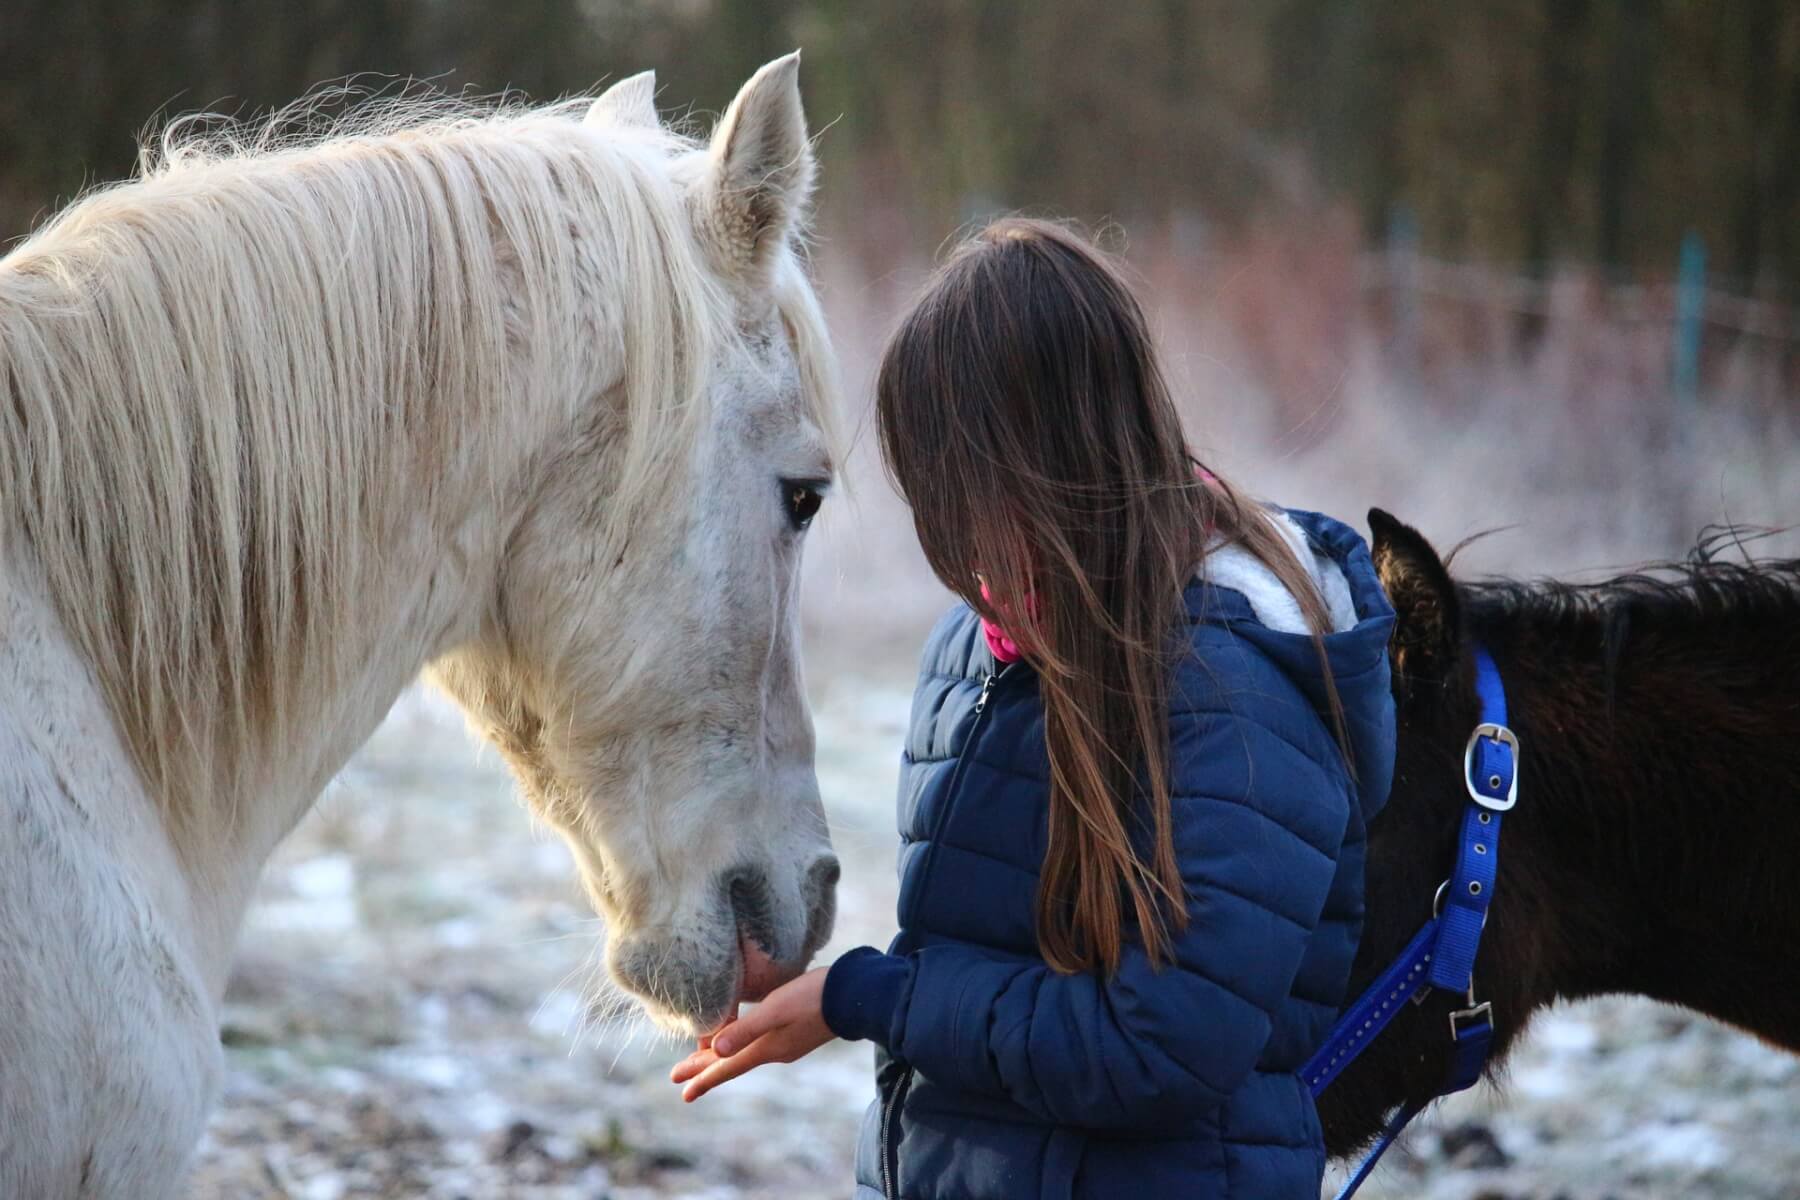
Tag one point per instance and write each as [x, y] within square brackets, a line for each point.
[1653, 849]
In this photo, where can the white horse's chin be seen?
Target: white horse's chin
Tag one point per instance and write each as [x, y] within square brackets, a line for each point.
[689, 991]
[687, 981]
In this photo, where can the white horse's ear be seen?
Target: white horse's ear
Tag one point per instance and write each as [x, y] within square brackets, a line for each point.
[628, 102]
[760, 180]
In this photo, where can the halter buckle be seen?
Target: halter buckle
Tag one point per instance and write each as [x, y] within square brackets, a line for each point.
[1506, 737]
[1475, 1012]
[1437, 906]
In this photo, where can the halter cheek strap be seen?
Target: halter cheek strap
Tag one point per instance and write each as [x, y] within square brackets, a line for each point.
[1442, 954]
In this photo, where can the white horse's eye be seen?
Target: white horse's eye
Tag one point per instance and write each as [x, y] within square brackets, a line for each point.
[802, 500]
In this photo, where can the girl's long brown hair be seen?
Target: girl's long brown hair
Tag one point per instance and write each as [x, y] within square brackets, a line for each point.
[1025, 419]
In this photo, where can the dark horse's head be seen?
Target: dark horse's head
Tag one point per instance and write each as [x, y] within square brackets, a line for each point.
[1660, 761]
[1413, 842]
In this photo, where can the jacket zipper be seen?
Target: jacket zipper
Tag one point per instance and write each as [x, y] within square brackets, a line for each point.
[987, 689]
[962, 762]
[891, 1108]
[890, 1140]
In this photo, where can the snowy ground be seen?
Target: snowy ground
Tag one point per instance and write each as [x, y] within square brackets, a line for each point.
[408, 1021]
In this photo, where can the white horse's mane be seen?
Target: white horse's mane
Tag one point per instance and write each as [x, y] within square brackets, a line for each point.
[193, 363]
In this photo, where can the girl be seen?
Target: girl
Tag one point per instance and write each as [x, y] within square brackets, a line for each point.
[1144, 752]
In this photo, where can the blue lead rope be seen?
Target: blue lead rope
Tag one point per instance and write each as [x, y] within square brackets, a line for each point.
[1442, 953]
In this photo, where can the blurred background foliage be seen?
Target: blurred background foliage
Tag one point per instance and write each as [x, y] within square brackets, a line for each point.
[1526, 132]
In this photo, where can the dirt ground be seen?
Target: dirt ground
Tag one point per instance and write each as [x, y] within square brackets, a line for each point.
[409, 1020]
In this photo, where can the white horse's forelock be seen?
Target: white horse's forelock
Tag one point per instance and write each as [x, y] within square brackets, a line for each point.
[193, 363]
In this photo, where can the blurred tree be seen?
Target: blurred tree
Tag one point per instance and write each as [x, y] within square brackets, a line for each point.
[1519, 130]
[1560, 38]
[1626, 111]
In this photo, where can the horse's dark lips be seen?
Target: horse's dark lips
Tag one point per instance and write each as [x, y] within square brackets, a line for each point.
[754, 982]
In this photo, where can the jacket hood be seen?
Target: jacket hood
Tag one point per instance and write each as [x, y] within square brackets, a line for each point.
[1356, 654]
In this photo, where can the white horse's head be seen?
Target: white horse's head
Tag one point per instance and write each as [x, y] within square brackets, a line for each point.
[643, 679]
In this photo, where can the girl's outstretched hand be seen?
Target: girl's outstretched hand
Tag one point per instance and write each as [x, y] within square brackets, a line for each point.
[786, 1026]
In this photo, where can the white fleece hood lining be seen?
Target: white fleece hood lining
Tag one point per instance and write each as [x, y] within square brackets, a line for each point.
[1236, 568]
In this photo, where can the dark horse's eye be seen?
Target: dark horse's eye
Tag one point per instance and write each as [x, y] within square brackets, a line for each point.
[802, 500]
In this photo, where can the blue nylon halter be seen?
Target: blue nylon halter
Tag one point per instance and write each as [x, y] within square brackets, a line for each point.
[1442, 953]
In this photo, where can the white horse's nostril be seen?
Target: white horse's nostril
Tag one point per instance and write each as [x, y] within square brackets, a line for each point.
[752, 906]
[824, 874]
[821, 904]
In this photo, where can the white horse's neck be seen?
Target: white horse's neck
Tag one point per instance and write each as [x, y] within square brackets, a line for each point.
[50, 704]
[52, 714]
[442, 580]
[204, 878]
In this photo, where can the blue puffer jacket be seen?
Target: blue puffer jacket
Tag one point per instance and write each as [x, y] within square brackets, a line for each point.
[999, 1077]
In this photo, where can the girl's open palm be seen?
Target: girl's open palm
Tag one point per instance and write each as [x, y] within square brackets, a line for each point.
[786, 1026]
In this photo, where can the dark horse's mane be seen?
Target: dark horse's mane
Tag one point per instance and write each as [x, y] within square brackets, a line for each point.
[1668, 597]
[1700, 587]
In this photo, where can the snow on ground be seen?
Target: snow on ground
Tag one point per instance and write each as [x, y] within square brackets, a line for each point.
[408, 1020]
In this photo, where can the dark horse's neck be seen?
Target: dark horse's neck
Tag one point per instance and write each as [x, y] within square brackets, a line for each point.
[1661, 784]
[1659, 721]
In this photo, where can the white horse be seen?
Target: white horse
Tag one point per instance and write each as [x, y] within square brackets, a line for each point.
[533, 399]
